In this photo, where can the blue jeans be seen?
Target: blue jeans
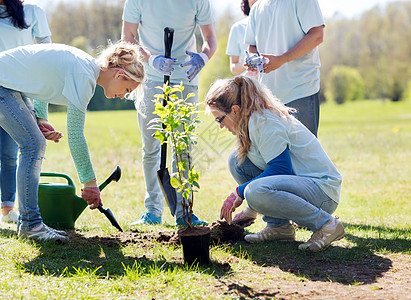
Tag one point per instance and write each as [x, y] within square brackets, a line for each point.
[308, 111]
[152, 148]
[281, 198]
[17, 120]
[8, 170]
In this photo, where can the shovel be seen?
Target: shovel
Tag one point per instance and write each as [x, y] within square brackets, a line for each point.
[163, 175]
[107, 212]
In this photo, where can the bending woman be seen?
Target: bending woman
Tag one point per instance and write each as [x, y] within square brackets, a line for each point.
[282, 171]
[20, 24]
[64, 75]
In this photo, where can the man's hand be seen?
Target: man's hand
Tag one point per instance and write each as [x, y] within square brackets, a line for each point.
[197, 62]
[48, 131]
[272, 62]
[230, 204]
[162, 64]
[254, 62]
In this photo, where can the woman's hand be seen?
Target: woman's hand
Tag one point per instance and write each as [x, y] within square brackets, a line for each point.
[245, 218]
[91, 194]
[230, 204]
[48, 131]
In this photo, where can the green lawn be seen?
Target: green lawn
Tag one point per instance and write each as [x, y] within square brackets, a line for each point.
[369, 142]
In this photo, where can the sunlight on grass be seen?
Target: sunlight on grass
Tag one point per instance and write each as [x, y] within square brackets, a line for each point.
[369, 141]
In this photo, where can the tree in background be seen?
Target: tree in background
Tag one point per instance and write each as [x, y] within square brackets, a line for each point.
[376, 44]
[344, 84]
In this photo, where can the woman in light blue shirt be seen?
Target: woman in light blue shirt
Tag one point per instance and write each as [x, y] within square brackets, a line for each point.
[282, 171]
[20, 24]
[64, 75]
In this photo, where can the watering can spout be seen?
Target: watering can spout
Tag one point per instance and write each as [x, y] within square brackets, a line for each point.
[79, 205]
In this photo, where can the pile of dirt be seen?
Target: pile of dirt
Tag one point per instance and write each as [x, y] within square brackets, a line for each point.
[221, 233]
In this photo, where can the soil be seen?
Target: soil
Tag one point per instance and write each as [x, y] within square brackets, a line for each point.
[386, 276]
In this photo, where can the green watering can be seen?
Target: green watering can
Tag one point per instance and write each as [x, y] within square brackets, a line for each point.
[60, 207]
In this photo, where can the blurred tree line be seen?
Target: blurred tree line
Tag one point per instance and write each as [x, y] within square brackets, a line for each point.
[367, 57]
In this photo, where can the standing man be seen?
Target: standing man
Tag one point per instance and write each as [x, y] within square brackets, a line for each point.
[149, 18]
[287, 33]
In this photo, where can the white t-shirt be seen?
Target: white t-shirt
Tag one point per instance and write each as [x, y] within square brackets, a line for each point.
[152, 16]
[274, 27]
[52, 73]
[11, 37]
[270, 135]
[235, 43]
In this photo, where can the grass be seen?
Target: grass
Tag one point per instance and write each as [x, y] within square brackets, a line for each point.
[369, 141]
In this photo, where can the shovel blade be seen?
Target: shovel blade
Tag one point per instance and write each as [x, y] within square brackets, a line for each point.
[107, 212]
[168, 191]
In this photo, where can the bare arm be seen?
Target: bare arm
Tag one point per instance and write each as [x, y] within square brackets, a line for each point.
[236, 65]
[312, 39]
[128, 34]
[210, 40]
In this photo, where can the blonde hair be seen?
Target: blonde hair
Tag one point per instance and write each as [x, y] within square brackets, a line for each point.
[126, 56]
[250, 96]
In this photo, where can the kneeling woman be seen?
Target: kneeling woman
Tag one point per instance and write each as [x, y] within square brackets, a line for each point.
[59, 74]
[282, 171]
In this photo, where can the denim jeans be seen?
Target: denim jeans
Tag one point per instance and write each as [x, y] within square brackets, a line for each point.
[8, 160]
[17, 120]
[308, 111]
[152, 149]
[281, 198]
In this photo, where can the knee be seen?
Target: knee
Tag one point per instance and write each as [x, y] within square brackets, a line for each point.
[36, 144]
[233, 164]
[260, 197]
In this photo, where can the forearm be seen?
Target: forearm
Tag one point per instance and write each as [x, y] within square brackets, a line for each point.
[78, 144]
[236, 66]
[210, 40]
[312, 39]
[128, 34]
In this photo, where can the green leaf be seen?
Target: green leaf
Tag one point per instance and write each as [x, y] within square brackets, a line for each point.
[175, 183]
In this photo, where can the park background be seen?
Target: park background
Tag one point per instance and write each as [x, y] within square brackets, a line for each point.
[365, 128]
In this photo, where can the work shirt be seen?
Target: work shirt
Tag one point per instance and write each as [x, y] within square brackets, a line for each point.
[276, 26]
[152, 16]
[235, 43]
[271, 134]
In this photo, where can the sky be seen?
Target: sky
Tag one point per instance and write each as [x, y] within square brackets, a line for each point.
[347, 8]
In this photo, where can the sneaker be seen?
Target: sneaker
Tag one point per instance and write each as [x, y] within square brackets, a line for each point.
[61, 232]
[194, 221]
[147, 218]
[44, 234]
[332, 231]
[11, 217]
[282, 233]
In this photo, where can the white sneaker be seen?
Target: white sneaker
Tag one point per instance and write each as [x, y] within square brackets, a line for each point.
[44, 234]
[11, 217]
[61, 232]
[282, 233]
[332, 231]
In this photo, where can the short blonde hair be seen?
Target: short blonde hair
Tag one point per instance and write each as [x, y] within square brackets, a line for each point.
[126, 56]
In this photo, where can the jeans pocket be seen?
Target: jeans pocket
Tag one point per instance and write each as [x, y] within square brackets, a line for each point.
[5, 92]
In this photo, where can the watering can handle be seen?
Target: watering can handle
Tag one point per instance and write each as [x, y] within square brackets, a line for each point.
[69, 181]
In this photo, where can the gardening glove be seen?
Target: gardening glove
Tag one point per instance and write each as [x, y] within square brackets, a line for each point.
[197, 62]
[48, 131]
[255, 61]
[230, 204]
[245, 218]
[91, 194]
[161, 64]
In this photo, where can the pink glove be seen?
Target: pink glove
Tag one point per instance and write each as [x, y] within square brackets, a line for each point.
[230, 204]
[245, 218]
[49, 132]
[91, 195]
